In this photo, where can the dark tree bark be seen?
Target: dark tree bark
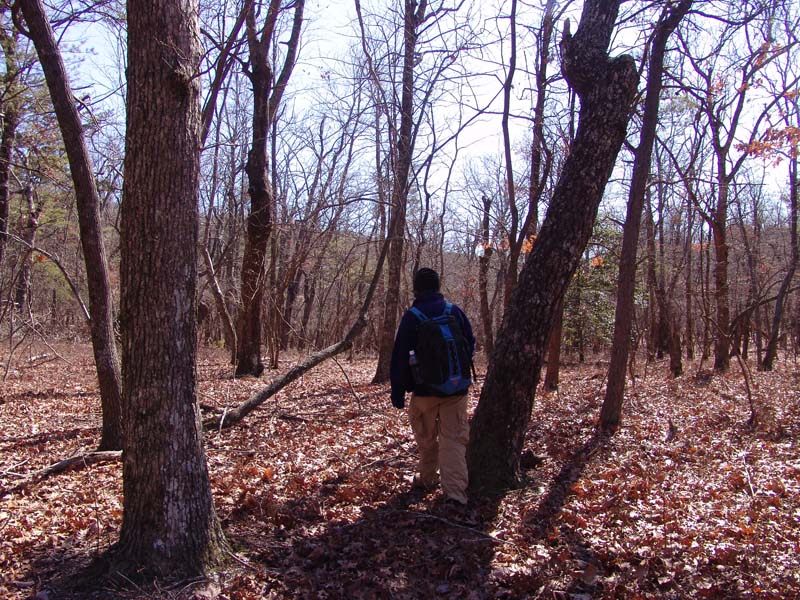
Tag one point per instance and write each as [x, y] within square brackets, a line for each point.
[654, 347]
[705, 284]
[169, 525]
[483, 278]
[414, 16]
[267, 95]
[514, 243]
[541, 154]
[8, 124]
[518, 232]
[22, 292]
[611, 411]
[606, 88]
[689, 283]
[719, 230]
[554, 351]
[101, 303]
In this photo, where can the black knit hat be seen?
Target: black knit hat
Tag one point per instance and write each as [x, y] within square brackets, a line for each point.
[426, 280]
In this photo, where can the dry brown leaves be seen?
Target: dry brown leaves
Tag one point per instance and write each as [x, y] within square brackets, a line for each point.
[686, 501]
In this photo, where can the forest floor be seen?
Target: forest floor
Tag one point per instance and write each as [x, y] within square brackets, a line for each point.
[688, 500]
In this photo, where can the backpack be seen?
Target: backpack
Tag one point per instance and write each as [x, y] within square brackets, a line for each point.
[442, 352]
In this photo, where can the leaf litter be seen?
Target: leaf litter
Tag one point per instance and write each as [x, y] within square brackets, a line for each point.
[690, 499]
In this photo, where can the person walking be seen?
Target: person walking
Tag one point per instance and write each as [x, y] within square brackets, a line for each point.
[432, 358]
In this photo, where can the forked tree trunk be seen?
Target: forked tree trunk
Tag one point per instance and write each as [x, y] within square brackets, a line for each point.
[606, 88]
[101, 303]
[169, 526]
[266, 100]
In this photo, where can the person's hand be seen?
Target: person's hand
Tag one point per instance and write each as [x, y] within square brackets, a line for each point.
[399, 400]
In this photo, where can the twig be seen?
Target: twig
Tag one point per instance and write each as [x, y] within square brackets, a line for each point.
[747, 472]
[478, 532]
[240, 560]
[21, 475]
[349, 383]
[121, 574]
[222, 420]
[747, 378]
[44, 362]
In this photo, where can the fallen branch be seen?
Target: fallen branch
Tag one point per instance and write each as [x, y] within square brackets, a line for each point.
[72, 463]
[238, 413]
[84, 460]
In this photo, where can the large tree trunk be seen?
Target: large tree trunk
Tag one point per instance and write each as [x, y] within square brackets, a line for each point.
[259, 220]
[397, 223]
[169, 525]
[101, 303]
[611, 411]
[606, 88]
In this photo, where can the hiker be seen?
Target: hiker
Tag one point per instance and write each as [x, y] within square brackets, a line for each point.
[439, 380]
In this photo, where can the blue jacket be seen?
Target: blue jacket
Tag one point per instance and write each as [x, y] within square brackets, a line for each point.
[431, 304]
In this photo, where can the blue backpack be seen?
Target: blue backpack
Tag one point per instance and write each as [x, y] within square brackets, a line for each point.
[443, 355]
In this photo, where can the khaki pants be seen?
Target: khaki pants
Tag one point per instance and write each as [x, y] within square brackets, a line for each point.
[441, 429]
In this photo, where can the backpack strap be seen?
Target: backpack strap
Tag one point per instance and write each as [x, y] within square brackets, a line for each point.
[418, 313]
[448, 306]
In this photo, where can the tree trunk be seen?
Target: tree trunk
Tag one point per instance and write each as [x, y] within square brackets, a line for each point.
[309, 293]
[483, 279]
[611, 412]
[259, 220]
[772, 346]
[9, 121]
[705, 287]
[606, 88]
[541, 154]
[228, 330]
[266, 100]
[689, 284]
[169, 526]
[514, 244]
[655, 325]
[397, 222]
[101, 302]
[22, 293]
[554, 351]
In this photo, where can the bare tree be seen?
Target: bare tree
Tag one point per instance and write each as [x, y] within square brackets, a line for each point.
[612, 404]
[267, 96]
[101, 303]
[724, 108]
